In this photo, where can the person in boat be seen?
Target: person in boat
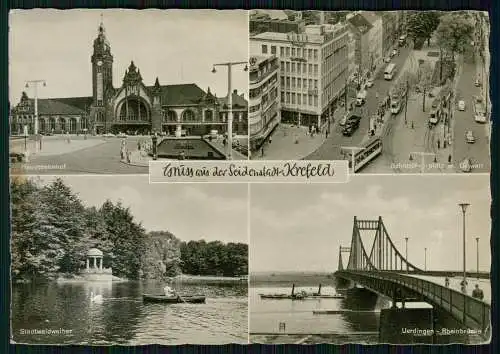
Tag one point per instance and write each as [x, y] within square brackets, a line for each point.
[169, 292]
[477, 293]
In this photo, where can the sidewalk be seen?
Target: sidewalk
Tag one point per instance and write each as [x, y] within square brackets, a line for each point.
[289, 142]
[53, 147]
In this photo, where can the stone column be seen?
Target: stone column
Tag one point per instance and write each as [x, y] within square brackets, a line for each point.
[95, 262]
[100, 264]
[87, 263]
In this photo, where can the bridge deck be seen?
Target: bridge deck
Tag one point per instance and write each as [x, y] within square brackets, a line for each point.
[484, 284]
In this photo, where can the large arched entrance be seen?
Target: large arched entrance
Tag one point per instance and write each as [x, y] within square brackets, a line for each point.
[133, 117]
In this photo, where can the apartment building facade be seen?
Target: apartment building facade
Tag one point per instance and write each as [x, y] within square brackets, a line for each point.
[313, 70]
[264, 102]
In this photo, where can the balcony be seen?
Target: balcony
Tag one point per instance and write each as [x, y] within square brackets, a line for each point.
[256, 77]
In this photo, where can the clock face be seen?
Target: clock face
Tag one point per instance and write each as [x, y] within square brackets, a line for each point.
[99, 63]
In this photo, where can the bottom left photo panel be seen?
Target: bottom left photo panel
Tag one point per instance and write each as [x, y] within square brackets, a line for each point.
[114, 260]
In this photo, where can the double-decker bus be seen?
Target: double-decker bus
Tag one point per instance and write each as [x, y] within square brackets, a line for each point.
[389, 72]
[370, 151]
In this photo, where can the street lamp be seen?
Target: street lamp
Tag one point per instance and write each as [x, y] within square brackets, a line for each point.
[425, 259]
[477, 257]
[464, 208]
[229, 65]
[406, 240]
[35, 84]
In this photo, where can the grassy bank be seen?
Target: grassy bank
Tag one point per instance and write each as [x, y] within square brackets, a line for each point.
[286, 279]
[76, 278]
[208, 280]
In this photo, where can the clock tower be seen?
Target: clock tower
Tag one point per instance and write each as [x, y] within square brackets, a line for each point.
[102, 81]
[102, 68]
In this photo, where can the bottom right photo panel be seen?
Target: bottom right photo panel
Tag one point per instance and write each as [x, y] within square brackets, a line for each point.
[381, 259]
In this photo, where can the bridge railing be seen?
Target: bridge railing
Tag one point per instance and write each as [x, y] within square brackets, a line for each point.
[471, 312]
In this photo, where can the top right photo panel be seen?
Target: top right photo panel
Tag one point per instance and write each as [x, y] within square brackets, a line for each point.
[391, 92]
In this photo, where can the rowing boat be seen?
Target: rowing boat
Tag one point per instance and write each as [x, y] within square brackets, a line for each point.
[192, 299]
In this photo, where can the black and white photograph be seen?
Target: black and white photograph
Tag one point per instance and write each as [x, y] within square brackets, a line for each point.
[123, 87]
[113, 260]
[401, 259]
[389, 91]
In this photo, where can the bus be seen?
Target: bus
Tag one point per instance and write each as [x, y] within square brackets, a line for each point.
[370, 151]
[389, 71]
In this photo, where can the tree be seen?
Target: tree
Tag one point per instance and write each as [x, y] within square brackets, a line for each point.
[425, 74]
[162, 257]
[422, 24]
[454, 33]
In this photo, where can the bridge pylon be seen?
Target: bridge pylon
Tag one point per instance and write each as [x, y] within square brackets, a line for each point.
[383, 254]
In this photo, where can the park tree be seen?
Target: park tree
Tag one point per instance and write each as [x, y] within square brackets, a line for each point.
[454, 33]
[422, 24]
[424, 78]
[162, 256]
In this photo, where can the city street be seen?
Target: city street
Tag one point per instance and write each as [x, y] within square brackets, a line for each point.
[331, 148]
[464, 121]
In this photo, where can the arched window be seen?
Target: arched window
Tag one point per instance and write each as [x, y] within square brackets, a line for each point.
[62, 124]
[169, 116]
[209, 115]
[133, 110]
[188, 116]
[100, 117]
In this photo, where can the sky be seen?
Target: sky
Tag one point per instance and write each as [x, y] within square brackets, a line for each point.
[300, 227]
[189, 211]
[178, 46]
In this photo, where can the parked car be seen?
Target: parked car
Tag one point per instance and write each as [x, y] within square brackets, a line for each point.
[108, 135]
[369, 83]
[461, 105]
[387, 59]
[394, 52]
[469, 137]
[121, 135]
[351, 125]
[477, 83]
[17, 157]
[343, 121]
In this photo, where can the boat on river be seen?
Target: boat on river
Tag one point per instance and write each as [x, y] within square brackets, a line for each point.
[191, 299]
[301, 295]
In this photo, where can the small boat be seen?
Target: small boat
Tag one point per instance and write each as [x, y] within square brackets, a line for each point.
[325, 296]
[282, 296]
[191, 299]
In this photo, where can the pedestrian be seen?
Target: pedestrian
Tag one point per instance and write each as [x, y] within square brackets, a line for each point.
[262, 151]
[449, 159]
[439, 144]
[447, 282]
[129, 153]
[326, 134]
[477, 293]
[270, 140]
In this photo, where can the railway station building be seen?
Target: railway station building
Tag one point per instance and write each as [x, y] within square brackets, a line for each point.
[132, 108]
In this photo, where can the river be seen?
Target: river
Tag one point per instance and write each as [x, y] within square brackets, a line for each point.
[63, 314]
[302, 324]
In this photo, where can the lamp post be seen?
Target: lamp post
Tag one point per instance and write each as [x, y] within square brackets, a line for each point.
[230, 65]
[35, 84]
[406, 240]
[352, 149]
[477, 257]
[464, 206]
[425, 259]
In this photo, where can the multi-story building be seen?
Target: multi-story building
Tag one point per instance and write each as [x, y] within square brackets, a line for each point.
[390, 30]
[366, 28]
[313, 70]
[264, 110]
[262, 22]
[132, 108]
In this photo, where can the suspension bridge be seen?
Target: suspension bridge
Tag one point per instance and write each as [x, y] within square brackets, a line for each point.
[382, 269]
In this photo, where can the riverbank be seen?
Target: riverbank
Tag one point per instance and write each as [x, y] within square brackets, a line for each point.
[286, 279]
[208, 280]
[77, 278]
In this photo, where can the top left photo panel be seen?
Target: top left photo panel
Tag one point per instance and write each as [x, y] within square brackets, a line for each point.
[107, 91]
